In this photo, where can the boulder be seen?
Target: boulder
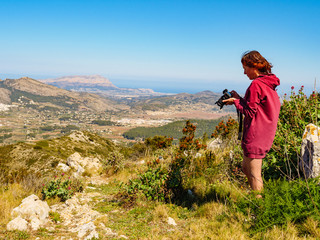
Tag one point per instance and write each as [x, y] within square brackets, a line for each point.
[214, 143]
[32, 210]
[32, 207]
[310, 151]
[18, 223]
[63, 167]
[80, 164]
[74, 160]
[171, 221]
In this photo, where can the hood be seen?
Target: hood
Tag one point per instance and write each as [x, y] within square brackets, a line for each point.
[270, 80]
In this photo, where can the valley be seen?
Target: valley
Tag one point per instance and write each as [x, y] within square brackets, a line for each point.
[31, 110]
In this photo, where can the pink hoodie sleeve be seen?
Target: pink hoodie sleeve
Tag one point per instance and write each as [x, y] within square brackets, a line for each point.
[249, 104]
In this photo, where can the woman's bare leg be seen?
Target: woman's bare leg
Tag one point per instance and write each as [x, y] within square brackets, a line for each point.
[252, 169]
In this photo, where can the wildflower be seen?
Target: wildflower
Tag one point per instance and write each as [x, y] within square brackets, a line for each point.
[69, 188]
[292, 87]
[55, 176]
[62, 174]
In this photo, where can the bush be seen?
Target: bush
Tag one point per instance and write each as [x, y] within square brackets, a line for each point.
[114, 162]
[296, 112]
[62, 188]
[283, 202]
[151, 183]
[158, 142]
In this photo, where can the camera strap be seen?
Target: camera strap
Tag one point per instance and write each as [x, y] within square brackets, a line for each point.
[240, 117]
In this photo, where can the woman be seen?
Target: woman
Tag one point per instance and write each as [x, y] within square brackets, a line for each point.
[261, 107]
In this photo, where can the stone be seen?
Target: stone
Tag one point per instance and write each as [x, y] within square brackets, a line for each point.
[17, 224]
[35, 223]
[310, 151]
[33, 210]
[63, 167]
[123, 236]
[74, 160]
[215, 143]
[80, 164]
[31, 207]
[171, 221]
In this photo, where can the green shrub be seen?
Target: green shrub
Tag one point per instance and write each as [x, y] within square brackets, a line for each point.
[296, 112]
[283, 202]
[62, 188]
[151, 183]
[158, 142]
[183, 165]
[113, 162]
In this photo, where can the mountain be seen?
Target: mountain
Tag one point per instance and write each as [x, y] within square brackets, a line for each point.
[98, 84]
[32, 92]
[183, 101]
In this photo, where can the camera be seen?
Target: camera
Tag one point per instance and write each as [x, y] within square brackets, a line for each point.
[225, 95]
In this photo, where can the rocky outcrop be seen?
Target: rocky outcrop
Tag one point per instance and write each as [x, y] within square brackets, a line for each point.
[31, 213]
[310, 151]
[80, 164]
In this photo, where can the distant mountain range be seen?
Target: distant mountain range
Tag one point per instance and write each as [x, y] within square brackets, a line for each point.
[36, 94]
[100, 85]
[32, 92]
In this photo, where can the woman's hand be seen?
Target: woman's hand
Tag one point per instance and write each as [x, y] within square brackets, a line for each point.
[229, 101]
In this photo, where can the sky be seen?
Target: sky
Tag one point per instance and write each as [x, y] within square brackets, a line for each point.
[166, 45]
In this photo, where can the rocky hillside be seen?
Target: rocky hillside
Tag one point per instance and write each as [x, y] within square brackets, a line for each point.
[32, 92]
[203, 100]
[22, 159]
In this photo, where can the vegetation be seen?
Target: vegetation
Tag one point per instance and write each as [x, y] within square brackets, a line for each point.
[62, 188]
[103, 122]
[202, 189]
[172, 129]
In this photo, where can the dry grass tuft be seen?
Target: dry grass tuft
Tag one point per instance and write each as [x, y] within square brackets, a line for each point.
[160, 213]
[10, 197]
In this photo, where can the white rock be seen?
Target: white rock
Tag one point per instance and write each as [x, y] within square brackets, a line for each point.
[215, 143]
[63, 167]
[35, 223]
[171, 221]
[93, 234]
[109, 232]
[310, 151]
[83, 229]
[74, 160]
[32, 207]
[123, 236]
[17, 224]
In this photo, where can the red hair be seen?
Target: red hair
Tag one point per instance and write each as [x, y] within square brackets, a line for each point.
[254, 59]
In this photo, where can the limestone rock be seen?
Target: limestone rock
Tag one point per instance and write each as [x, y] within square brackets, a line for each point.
[17, 224]
[171, 221]
[215, 143]
[80, 164]
[310, 151]
[32, 207]
[74, 160]
[63, 167]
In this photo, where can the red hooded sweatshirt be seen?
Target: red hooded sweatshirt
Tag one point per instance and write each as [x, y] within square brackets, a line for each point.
[261, 107]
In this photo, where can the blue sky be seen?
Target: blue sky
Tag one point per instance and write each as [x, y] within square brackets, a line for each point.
[177, 46]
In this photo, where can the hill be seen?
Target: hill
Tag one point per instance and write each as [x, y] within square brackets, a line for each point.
[28, 91]
[22, 159]
[202, 101]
